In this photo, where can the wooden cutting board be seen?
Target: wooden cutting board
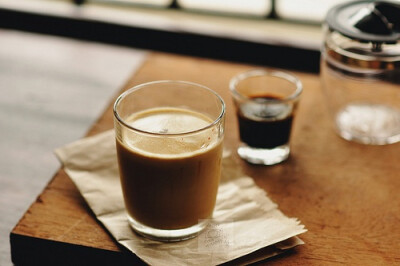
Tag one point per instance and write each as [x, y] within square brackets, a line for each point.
[346, 194]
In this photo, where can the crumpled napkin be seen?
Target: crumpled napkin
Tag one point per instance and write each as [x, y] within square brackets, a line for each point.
[245, 219]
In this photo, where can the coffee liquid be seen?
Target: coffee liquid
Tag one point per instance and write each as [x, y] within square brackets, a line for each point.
[170, 182]
[264, 126]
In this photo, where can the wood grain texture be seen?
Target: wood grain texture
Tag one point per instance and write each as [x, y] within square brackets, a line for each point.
[346, 194]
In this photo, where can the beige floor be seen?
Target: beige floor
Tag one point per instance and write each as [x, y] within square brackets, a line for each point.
[52, 90]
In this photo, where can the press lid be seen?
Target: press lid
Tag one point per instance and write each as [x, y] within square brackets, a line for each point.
[377, 22]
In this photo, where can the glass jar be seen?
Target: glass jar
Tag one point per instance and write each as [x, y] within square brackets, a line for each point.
[360, 71]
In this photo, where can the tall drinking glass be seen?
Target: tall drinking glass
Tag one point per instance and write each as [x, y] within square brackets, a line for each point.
[169, 137]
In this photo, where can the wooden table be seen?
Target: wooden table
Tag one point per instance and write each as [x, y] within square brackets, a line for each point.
[346, 194]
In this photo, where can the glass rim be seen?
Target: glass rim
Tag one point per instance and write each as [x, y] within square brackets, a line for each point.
[143, 85]
[261, 72]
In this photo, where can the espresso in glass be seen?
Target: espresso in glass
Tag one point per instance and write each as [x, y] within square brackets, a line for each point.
[265, 104]
[266, 127]
[169, 159]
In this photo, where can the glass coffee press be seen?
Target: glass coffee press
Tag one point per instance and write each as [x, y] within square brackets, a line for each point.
[360, 70]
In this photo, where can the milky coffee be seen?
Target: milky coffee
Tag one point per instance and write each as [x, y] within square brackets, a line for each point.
[169, 179]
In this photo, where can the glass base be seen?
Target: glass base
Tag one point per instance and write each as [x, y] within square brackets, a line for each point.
[369, 124]
[264, 156]
[167, 235]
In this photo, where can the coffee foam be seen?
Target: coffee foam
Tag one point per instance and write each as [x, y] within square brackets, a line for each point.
[167, 121]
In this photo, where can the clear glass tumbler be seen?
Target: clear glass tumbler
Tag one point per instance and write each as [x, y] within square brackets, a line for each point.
[169, 137]
[266, 104]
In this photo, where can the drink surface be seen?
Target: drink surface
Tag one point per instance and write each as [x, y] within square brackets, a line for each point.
[264, 125]
[167, 122]
[170, 181]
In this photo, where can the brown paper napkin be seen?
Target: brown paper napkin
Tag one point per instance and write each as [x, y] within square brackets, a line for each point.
[245, 219]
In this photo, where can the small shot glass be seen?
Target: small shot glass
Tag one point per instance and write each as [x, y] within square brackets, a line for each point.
[266, 103]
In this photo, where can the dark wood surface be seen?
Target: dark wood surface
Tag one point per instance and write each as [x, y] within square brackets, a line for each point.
[346, 194]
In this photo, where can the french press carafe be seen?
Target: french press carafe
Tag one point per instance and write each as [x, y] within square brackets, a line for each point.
[360, 70]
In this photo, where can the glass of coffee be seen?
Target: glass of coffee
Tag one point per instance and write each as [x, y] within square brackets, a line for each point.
[265, 104]
[169, 138]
